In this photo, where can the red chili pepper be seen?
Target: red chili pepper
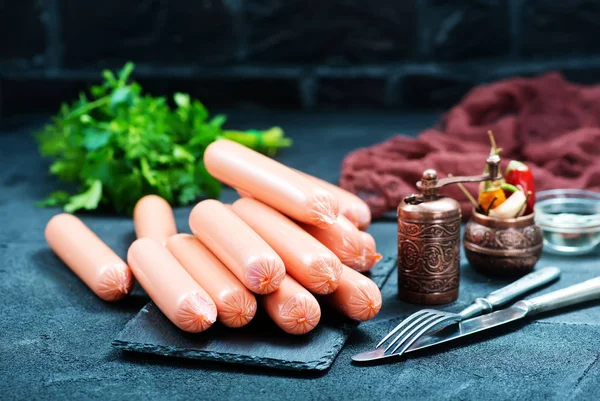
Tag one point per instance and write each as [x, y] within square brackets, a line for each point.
[518, 173]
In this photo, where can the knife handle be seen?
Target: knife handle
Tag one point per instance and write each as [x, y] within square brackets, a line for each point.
[510, 292]
[575, 294]
[524, 284]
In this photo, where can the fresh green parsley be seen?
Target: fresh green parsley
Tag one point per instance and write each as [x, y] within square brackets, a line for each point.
[118, 144]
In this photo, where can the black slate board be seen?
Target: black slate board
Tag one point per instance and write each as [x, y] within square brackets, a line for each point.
[261, 343]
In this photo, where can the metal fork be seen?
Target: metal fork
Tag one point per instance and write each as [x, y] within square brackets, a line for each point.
[426, 320]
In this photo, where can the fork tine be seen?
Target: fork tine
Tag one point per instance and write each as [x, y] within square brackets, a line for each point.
[409, 340]
[409, 334]
[409, 329]
[402, 324]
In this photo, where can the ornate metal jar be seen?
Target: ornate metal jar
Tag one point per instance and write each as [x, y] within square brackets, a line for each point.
[429, 251]
[503, 247]
[429, 240]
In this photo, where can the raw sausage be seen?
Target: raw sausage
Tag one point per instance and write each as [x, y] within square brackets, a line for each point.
[240, 249]
[370, 245]
[352, 246]
[357, 297]
[172, 289]
[271, 183]
[88, 257]
[231, 240]
[292, 307]
[153, 218]
[307, 260]
[351, 206]
[236, 305]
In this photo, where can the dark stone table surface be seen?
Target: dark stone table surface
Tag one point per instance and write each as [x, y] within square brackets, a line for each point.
[55, 335]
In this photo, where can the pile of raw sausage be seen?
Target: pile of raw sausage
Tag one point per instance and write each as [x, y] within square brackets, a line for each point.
[290, 237]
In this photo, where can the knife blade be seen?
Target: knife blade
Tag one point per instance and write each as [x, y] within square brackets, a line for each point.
[454, 332]
[583, 292]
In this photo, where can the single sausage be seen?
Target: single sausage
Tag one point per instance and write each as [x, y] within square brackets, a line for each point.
[231, 240]
[102, 270]
[355, 209]
[172, 289]
[307, 260]
[236, 305]
[350, 244]
[270, 182]
[292, 307]
[357, 297]
[153, 218]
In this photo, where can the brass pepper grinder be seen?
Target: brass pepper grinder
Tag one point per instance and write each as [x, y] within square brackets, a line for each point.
[429, 239]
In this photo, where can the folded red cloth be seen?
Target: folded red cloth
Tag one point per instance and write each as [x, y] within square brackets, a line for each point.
[548, 123]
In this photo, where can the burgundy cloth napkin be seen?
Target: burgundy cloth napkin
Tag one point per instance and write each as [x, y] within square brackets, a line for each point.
[548, 123]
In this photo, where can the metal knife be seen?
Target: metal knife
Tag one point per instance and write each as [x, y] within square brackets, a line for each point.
[583, 292]
[510, 292]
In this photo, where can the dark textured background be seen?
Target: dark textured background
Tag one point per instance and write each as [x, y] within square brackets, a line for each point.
[311, 54]
[56, 334]
[293, 54]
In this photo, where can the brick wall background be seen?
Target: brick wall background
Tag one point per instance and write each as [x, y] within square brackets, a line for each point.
[311, 54]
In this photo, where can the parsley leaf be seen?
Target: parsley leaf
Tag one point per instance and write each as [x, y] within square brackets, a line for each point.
[89, 199]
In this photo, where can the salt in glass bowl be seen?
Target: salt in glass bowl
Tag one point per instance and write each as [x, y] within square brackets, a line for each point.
[569, 219]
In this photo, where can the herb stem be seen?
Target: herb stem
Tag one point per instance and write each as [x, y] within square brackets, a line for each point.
[467, 193]
[85, 109]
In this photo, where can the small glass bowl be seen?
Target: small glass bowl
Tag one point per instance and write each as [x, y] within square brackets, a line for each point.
[569, 219]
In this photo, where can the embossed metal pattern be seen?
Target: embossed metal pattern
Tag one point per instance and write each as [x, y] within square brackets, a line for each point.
[510, 238]
[501, 249]
[501, 252]
[428, 256]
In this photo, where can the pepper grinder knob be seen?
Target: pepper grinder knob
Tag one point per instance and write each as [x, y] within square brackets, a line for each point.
[429, 183]
[429, 175]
